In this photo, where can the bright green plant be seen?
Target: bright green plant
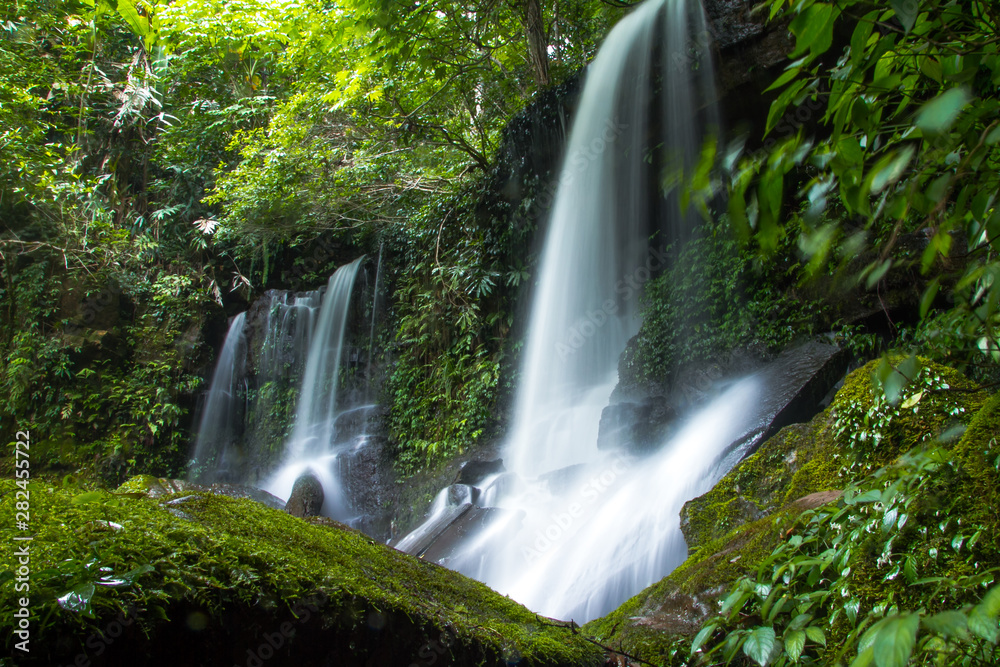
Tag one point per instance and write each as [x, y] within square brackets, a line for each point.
[897, 572]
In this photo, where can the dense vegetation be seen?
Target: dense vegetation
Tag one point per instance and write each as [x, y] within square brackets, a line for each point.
[159, 158]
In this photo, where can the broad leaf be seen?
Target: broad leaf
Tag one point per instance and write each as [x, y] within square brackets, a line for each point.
[701, 637]
[906, 11]
[895, 640]
[816, 635]
[78, 599]
[982, 625]
[948, 623]
[759, 644]
[795, 642]
[938, 115]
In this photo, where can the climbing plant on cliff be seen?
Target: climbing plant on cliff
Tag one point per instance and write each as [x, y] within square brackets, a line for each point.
[911, 147]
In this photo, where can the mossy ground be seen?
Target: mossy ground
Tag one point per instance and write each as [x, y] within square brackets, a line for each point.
[227, 574]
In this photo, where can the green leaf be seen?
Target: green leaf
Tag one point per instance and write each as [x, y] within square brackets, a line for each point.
[701, 637]
[781, 104]
[870, 496]
[982, 625]
[816, 635]
[890, 169]
[859, 40]
[87, 497]
[864, 658]
[948, 623]
[991, 603]
[906, 11]
[931, 68]
[930, 293]
[139, 24]
[759, 644]
[813, 29]
[895, 640]
[795, 642]
[78, 599]
[735, 601]
[790, 73]
[937, 116]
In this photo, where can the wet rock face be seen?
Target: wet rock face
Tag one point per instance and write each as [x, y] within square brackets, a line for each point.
[731, 22]
[307, 497]
[476, 471]
[637, 426]
[642, 416]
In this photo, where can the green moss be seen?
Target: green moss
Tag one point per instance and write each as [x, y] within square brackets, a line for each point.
[140, 484]
[227, 558]
[876, 430]
[799, 460]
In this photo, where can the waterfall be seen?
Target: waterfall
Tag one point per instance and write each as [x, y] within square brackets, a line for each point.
[313, 444]
[216, 450]
[596, 256]
[575, 530]
[371, 333]
[289, 357]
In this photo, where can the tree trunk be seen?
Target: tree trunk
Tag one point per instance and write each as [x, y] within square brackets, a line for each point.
[538, 43]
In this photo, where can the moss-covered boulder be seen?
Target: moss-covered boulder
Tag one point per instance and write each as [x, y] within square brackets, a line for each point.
[202, 579]
[861, 429]
[799, 460]
[889, 406]
[155, 487]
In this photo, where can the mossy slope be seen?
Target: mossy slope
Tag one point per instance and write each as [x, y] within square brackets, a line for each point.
[228, 574]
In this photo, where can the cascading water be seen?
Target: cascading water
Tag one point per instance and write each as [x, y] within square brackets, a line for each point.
[313, 445]
[579, 530]
[597, 255]
[220, 429]
[286, 353]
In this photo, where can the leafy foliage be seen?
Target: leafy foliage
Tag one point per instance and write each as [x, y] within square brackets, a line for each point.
[716, 297]
[852, 570]
[910, 148]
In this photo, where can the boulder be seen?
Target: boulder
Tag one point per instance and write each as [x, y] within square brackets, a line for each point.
[307, 496]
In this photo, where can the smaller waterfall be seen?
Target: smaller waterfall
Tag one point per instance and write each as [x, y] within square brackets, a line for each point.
[314, 444]
[371, 333]
[216, 452]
